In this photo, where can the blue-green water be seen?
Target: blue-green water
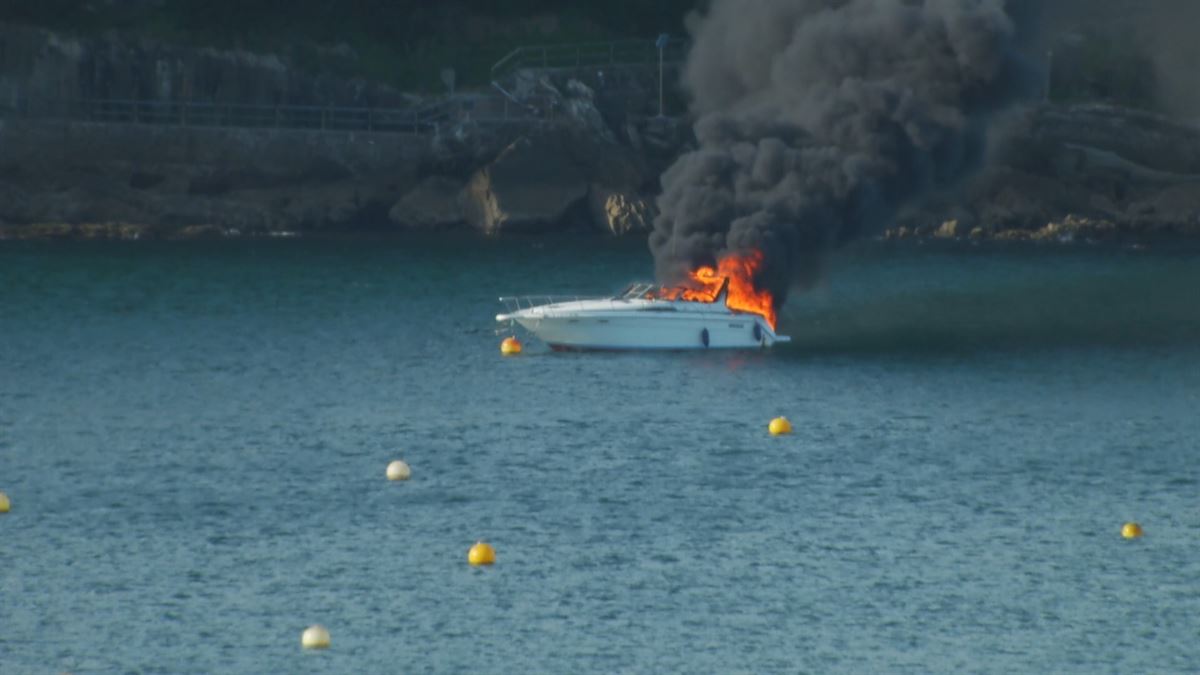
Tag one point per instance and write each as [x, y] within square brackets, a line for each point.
[194, 439]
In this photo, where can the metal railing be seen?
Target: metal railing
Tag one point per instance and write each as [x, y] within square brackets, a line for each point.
[211, 114]
[480, 109]
[588, 55]
[498, 106]
[517, 303]
[582, 56]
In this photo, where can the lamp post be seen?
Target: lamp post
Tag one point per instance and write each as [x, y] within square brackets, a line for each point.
[661, 43]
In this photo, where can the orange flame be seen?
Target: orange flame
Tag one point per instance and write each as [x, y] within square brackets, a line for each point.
[705, 283]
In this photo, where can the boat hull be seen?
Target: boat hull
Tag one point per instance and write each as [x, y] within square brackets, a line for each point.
[617, 332]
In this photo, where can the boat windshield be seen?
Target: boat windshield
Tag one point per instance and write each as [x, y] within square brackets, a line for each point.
[636, 291]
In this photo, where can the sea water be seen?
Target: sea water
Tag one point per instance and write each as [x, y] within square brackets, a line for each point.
[194, 438]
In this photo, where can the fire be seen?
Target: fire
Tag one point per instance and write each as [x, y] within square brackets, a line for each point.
[705, 283]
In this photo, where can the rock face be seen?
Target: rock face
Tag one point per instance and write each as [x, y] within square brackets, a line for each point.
[619, 212]
[580, 105]
[948, 230]
[1071, 229]
[252, 181]
[532, 186]
[584, 153]
[39, 66]
[433, 203]
[569, 159]
[574, 174]
[1076, 172]
[569, 175]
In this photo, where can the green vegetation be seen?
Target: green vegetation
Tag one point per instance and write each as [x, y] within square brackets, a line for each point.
[401, 42]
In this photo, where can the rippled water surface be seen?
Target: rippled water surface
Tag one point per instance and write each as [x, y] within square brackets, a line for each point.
[194, 439]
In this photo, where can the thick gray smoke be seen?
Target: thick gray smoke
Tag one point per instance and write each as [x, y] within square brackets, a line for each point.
[817, 118]
[1169, 31]
[1161, 31]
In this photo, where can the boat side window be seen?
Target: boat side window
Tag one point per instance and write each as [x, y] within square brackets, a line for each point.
[636, 291]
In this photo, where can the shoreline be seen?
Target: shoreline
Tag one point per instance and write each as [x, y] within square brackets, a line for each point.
[1069, 234]
[129, 232]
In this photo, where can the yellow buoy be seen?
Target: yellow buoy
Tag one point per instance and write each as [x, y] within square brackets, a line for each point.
[1131, 530]
[481, 553]
[4, 503]
[779, 426]
[510, 346]
[399, 470]
[315, 637]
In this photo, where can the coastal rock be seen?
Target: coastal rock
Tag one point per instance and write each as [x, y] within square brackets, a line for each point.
[1074, 167]
[1075, 227]
[200, 232]
[901, 232]
[531, 186]
[122, 231]
[948, 230]
[433, 203]
[345, 205]
[1129, 139]
[555, 164]
[1013, 235]
[580, 105]
[542, 156]
[619, 212]
[58, 66]
[251, 181]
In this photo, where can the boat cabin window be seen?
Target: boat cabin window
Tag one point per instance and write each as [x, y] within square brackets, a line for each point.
[636, 291]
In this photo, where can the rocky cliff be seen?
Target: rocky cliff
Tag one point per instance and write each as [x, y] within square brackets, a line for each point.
[75, 178]
[1070, 172]
[551, 153]
[566, 150]
[39, 68]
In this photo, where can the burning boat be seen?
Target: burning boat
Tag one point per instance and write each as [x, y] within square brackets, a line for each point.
[716, 308]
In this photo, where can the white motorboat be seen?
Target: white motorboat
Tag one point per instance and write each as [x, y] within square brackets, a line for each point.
[643, 316]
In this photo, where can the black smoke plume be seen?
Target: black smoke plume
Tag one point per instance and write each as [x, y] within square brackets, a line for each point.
[817, 118]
